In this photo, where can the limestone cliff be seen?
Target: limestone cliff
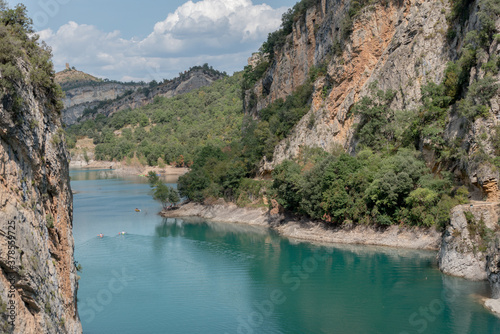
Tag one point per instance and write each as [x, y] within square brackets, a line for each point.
[109, 97]
[84, 91]
[469, 242]
[78, 99]
[38, 279]
[400, 45]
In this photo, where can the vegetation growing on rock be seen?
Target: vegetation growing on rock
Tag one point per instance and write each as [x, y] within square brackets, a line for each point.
[19, 45]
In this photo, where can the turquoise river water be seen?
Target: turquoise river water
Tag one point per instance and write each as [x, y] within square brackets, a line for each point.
[188, 276]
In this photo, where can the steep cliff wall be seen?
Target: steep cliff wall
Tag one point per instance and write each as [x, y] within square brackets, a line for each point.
[401, 46]
[190, 81]
[38, 279]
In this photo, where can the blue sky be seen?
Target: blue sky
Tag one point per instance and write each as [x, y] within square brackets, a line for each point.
[146, 40]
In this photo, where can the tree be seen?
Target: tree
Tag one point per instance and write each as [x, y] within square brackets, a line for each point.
[161, 192]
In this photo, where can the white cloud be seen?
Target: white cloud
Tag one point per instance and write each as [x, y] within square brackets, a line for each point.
[220, 32]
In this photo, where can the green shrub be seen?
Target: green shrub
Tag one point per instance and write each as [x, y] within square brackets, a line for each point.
[49, 219]
[477, 101]
[373, 130]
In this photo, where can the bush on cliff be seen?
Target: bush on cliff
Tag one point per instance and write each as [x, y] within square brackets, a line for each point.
[18, 45]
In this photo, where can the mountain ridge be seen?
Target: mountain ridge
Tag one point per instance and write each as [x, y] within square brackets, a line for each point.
[107, 97]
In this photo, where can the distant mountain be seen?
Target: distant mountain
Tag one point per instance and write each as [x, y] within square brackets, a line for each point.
[84, 91]
[87, 96]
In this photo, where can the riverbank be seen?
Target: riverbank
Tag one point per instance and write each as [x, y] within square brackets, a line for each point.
[124, 169]
[307, 230]
[418, 238]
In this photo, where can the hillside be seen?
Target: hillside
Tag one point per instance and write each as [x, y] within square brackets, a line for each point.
[352, 50]
[38, 277]
[87, 100]
[170, 129]
[71, 78]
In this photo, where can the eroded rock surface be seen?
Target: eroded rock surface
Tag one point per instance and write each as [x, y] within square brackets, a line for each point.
[38, 279]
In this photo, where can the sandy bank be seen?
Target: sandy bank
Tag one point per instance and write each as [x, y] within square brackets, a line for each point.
[393, 236]
[124, 169]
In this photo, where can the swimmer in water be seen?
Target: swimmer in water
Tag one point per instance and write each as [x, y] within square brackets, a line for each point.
[100, 235]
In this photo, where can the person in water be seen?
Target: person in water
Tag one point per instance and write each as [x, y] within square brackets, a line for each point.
[100, 235]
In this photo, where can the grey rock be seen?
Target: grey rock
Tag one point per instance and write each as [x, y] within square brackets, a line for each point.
[36, 240]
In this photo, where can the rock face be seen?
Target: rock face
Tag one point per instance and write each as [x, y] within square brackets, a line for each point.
[88, 96]
[109, 97]
[468, 247]
[493, 269]
[38, 279]
[389, 44]
[399, 45]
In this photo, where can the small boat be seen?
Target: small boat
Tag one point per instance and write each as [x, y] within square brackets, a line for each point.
[121, 233]
[137, 210]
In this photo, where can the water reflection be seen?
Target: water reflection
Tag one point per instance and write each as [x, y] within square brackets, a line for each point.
[97, 174]
[106, 174]
[326, 288]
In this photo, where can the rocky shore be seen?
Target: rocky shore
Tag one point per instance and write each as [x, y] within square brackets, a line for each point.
[393, 236]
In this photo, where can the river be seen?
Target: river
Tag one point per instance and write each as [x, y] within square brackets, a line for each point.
[193, 276]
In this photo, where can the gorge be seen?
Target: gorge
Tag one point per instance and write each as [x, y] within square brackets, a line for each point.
[357, 117]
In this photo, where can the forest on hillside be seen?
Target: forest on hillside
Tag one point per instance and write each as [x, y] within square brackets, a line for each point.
[169, 130]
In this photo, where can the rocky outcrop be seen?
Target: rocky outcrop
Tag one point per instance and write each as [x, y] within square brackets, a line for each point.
[467, 241]
[493, 268]
[72, 78]
[38, 279]
[470, 247]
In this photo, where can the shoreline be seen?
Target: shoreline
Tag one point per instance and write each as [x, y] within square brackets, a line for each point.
[122, 169]
[313, 231]
[303, 230]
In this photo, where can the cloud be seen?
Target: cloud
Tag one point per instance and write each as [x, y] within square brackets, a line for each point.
[220, 32]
